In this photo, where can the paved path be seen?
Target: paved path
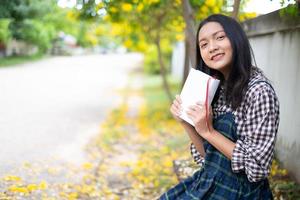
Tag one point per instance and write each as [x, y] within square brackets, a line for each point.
[52, 107]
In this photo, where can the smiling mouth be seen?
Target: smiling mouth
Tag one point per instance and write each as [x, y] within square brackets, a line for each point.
[217, 56]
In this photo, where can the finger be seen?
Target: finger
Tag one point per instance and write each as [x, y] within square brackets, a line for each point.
[191, 116]
[199, 107]
[177, 102]
[192, 107]
[175, 111]
[176, 105]
[178, 99]
[195, 108]
[174, 102]
[199, 103]
[190, 113]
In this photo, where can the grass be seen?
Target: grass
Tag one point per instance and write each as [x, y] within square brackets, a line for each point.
[14, 60]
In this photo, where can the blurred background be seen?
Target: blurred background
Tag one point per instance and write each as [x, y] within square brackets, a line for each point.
[85, 89]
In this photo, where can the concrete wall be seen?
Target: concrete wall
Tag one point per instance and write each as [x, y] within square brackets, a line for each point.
[276, 45]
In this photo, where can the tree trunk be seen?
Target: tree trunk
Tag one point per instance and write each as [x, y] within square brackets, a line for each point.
[190, 38]
[163, 70]
[236, 7]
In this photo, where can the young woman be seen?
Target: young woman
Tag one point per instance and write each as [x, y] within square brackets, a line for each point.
[237, 142]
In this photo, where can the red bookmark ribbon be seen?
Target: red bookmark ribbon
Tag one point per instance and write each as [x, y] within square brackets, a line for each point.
[207, 103]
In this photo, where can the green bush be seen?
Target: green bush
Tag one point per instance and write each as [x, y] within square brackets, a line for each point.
[5, 34]
[35, 32]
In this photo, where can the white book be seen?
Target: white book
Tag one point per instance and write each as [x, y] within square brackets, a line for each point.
[194, 90]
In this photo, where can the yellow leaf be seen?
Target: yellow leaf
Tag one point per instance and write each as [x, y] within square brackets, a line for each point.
[113, 9]
[216, 9]
[32, 187]
[210, 3]
[204, 10]
[140, 7]
[17, 189]
[128, 43]
[127, 7]
[116, 29]
[87, 166]
[100, 30]
[168, 163]
[72, 196]
[220, 3]
[71, 15]
[100, 6]
[12, 178]
[153, 1]
[43, 185]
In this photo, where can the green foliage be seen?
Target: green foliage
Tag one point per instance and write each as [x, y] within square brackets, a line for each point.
[291, 12]
[287, 189]
[24, 21]
[34, 21]
[4, 32]
[82, 36]
[7, 8]
[151, 65]
[142, 24]
[59, 19]
[24, 9]
[34, 32]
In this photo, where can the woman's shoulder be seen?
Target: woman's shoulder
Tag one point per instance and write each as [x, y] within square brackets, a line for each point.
[259, 92]
[259, 85]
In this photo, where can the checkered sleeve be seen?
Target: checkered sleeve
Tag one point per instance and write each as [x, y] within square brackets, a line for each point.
[198, 159]
[254, 150]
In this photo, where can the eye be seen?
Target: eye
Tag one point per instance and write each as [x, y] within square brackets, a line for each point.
[203, 45]
[221, 37]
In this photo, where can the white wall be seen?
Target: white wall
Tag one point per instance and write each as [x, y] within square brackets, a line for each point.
[177, 63]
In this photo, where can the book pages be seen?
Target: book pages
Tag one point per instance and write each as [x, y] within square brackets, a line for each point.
[194, 90]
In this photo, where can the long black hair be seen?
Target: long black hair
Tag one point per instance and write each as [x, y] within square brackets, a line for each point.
[235, 85]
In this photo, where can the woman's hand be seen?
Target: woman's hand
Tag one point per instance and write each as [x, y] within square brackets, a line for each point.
[197, 114]
[176, 108]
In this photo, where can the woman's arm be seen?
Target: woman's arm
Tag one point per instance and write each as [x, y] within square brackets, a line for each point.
[196, 139]
[207, 132]
[220, 142]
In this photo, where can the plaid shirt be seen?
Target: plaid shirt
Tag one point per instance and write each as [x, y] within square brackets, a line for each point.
[257, 120]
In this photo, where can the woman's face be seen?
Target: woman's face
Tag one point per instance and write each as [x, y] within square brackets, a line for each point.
[215, 48]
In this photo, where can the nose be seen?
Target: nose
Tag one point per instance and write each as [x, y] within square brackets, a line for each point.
[213, 47]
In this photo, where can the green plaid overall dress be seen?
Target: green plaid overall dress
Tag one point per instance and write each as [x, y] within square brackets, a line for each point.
[216, 181]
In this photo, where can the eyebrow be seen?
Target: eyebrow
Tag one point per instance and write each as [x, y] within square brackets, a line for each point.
[212, 34]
